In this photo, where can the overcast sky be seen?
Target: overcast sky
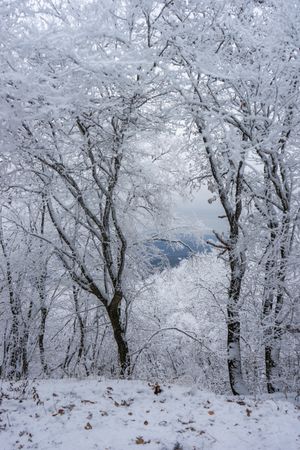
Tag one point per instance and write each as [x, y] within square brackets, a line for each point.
[197, 211]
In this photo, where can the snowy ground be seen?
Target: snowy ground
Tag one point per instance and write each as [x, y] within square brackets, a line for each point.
[120, 415]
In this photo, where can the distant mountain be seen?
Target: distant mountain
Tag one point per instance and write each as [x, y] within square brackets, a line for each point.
[170, 253]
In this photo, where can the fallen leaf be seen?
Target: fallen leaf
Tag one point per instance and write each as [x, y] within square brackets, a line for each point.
[248, 412]
[157, 389]
[140, 441]
[88, 426]
[59, 412]
[127, 402]
[211, 413]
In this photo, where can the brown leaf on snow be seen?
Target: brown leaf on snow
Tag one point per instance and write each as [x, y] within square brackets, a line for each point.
[59, 412]
[210, 412]
[88, 426]
[248, 412]
[140, 441]
[127, 402]
[241, 402]
[156, 388]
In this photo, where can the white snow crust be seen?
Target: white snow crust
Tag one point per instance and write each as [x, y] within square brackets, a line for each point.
[120, 414]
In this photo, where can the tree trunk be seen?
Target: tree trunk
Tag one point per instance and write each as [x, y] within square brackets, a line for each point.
[236, 380]
[81, 355]
[44, 313]
[271, 361]
[15, 359]
[268, 320]
[272, 348]
[275, 270]
[114, 314]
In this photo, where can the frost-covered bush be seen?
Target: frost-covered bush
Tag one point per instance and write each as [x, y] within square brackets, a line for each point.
[178, 329]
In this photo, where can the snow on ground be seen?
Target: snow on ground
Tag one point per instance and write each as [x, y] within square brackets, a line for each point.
[120, 415]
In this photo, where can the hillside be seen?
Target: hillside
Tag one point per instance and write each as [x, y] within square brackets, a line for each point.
[120, 415]
[172, 252]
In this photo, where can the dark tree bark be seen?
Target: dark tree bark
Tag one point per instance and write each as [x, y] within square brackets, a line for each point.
[234, 327]
[103, 228]
[41, 337]
[114, 313]
[81, 355]
[234, 247]
[17, 356]
[41, 287]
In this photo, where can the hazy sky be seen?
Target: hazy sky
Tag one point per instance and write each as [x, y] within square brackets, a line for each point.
[197, 211]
